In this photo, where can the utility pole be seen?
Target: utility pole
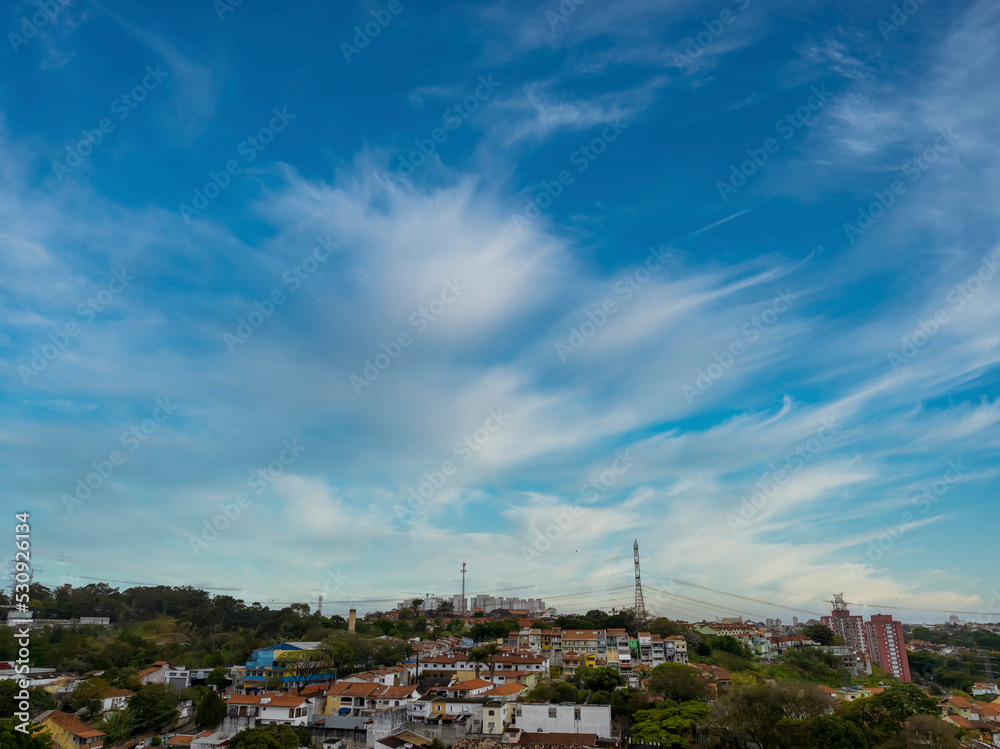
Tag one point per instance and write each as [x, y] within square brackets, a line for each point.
[463, 587]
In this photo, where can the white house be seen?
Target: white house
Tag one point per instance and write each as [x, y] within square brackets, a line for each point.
[985, 689]
[253, 710]
[564, 718]
[115, 699]
[469, 688]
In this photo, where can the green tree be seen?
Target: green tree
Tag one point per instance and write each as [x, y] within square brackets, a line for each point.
[677, 682]
[88, 695]
[118, 725]
[669, 725]
[729, 644]
[833, 732]
[304, 667]
[154, 708]
[883, 715]
[11, 738]
[478, 657]
[274, 736]
[599, 678]
[219, 678]
[927, 732]
[8, 697]
[663, 627]
[819, 633]
[210, 711]
[752, 714]
[491, 650]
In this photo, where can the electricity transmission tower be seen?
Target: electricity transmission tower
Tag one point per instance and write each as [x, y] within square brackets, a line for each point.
[641, 614]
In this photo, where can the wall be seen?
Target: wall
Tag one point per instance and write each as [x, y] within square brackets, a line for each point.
[535, 718]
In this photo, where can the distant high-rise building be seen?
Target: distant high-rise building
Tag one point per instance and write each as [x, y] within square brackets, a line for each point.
[777, 622]
[795, 621]
[849, 628]
[884, 637]
[881, 639]
[770, 622]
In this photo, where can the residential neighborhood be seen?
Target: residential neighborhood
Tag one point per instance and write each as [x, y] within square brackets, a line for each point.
[484, 679]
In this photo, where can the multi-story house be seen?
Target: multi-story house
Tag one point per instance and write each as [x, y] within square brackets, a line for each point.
[269, 668]
[530, 639]
[252, 710]
[619, 651]
[497, 715]
[440, 710]
[676, 649]
[69, 732]
[585, 642]
[563, 718]
[359, 699]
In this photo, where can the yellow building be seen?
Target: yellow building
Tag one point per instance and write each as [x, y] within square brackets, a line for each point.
[69, 732]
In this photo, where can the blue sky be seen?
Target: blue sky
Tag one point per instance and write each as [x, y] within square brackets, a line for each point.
[380, 288]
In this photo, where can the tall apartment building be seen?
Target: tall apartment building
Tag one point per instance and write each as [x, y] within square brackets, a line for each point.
[884, 637]
[849, 628]
[880, 639]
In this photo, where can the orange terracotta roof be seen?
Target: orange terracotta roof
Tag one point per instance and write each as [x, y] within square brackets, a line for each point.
[113, 692]
[179, 741]
[504, 690]
[73, 725]
[958, 720]
[355, 689]
[397, 692]
[276, 699]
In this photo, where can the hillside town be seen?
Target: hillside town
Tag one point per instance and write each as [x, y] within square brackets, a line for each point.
[480, 679]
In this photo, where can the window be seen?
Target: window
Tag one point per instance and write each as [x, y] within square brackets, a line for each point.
[576, 713]
[553, 712]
